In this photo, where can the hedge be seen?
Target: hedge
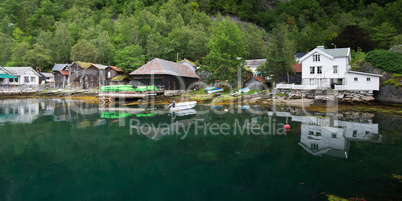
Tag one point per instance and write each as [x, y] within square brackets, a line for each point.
[386, 60]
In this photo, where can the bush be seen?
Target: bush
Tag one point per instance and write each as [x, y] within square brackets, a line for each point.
[386, 60]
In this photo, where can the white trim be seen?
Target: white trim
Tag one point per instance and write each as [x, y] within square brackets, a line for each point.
[315, 51]
[362, 73]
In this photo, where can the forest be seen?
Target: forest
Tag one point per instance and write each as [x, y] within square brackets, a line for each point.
[39, 33]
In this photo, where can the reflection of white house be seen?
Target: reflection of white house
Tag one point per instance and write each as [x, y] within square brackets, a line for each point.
[328, 136]
[254, 64]
[329, 68]
[21, 76]
[19, 111]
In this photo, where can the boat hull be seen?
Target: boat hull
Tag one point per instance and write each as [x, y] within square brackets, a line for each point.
[183, 106]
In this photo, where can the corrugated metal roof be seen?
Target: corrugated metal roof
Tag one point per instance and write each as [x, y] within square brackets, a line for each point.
[339, 52]
[17, 70]
[116, 69]
[48, 74]
[63, 72]
[163, 67]
[58, 67]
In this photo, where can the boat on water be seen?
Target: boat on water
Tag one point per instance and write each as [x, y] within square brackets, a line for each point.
[215, 90]
[182, 106]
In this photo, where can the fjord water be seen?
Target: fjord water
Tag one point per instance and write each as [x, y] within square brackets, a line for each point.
[53, 149]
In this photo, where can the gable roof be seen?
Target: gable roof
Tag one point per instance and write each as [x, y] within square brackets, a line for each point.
[48, 74]
[163, 67]
[255, 62]
[20, 70]
[297, 67]
[300, 54]
[58, 67]
[116, 69]
[330, 53]
[258, 79]
[63, 72]
[99, 66]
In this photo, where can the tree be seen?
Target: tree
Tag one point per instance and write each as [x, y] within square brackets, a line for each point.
[104, 45]
[255, 40]
[6, 46]
[38, 56]
[62, 43]
[281, 51]
[130, 58]
[354, 37]
[84, 51]
[384, 35]
[227, 45]
[19, 51]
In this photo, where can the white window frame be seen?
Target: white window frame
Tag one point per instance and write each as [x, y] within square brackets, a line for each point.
[319, 69]
[316, 57]
[311, 82]
[335, 69]
[312, 70]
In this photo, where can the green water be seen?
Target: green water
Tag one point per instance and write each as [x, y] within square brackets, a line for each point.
[63, 150]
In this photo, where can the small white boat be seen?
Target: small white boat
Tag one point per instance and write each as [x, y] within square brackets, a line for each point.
[215, 90]
[245, 90]
[182, 106]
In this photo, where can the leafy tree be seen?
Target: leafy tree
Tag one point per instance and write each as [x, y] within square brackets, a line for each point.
[354, 37]
[154, 46]
[227, 45]
[6, 46]
[19, 51]
[84, 51]
[383, 35]
[38, 56]
[62, 43]
[255, 42]
[105, 47]
[387, 60]
[281, 51]
[130, 58]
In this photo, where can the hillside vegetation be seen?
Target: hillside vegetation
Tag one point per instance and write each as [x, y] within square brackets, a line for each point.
[128, 33]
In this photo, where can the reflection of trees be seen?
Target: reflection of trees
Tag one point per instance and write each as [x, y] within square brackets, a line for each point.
[63, 161]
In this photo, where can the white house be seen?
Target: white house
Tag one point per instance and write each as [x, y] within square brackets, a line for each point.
[253, 65]
[329, 68]
[21, 76]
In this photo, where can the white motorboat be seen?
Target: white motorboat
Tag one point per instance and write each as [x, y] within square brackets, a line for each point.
[182, 106]
[215, 90]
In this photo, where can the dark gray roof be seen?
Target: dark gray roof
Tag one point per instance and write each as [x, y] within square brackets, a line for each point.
[58, 67]
[300, 54]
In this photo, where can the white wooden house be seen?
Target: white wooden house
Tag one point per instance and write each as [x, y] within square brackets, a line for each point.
[329, 69]
[21, 76]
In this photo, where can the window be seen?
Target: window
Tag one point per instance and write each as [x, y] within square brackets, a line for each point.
[368, 79]
[10, 79]
[316, 57]
[335, 69]
[312, 70]
[109, 74]
[32, 79]
[354, 133]
[314, 146]
[319, 69]
[333, 135]
[311, 133]
[311, 81]
[318, 134]
[26, 79]
[355, 79]
[15, 79]
[367, 132]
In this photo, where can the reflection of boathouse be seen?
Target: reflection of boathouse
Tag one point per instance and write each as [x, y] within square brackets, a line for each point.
[328, 136]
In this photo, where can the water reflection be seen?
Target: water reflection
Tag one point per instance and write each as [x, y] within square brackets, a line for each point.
[331, 136]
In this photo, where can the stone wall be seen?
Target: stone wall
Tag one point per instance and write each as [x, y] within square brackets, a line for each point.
[324, 95]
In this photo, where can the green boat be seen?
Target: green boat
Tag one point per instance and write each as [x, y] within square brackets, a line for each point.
[115, 115]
